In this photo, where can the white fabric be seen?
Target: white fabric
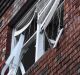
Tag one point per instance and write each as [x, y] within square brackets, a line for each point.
[24, 28]
[14, 56]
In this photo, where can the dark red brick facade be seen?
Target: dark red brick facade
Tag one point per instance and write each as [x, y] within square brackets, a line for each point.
[65, 58]
[12, 11]
[5, 43]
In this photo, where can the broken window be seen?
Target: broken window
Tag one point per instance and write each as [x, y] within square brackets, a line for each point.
[51, 33]
[28, 50]
[37, 31]
[53, 29]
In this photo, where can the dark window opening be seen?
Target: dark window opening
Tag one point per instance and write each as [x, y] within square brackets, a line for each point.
[31, 29]
[55, 25]
[28, 58]
[19, 71]
[52, 32]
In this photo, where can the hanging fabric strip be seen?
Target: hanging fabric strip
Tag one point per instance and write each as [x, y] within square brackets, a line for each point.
[14, 54]
[58, 37]
[24, 28]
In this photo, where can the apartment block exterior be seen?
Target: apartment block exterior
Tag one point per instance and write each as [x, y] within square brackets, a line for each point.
[64, 59]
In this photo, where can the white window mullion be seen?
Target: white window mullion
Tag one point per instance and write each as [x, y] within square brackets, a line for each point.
[13, 41]
[40, 43]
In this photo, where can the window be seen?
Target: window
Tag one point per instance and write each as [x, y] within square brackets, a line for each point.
[55, 27]
[29, 21]
[35, 33]
[34, 40]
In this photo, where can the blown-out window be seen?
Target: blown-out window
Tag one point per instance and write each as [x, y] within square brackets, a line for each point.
[55, 26]
[29, 21]
[51, 34]
[37, 31]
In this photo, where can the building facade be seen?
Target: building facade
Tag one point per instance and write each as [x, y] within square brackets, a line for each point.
[59, 54]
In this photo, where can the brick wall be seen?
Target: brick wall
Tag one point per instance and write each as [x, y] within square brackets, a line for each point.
[12, 11]
[65, 58]
[5, 43]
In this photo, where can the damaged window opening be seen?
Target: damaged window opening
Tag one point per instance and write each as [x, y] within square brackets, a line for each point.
[52, 31]
[29, 45]
[55, 25]
[37, 31]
